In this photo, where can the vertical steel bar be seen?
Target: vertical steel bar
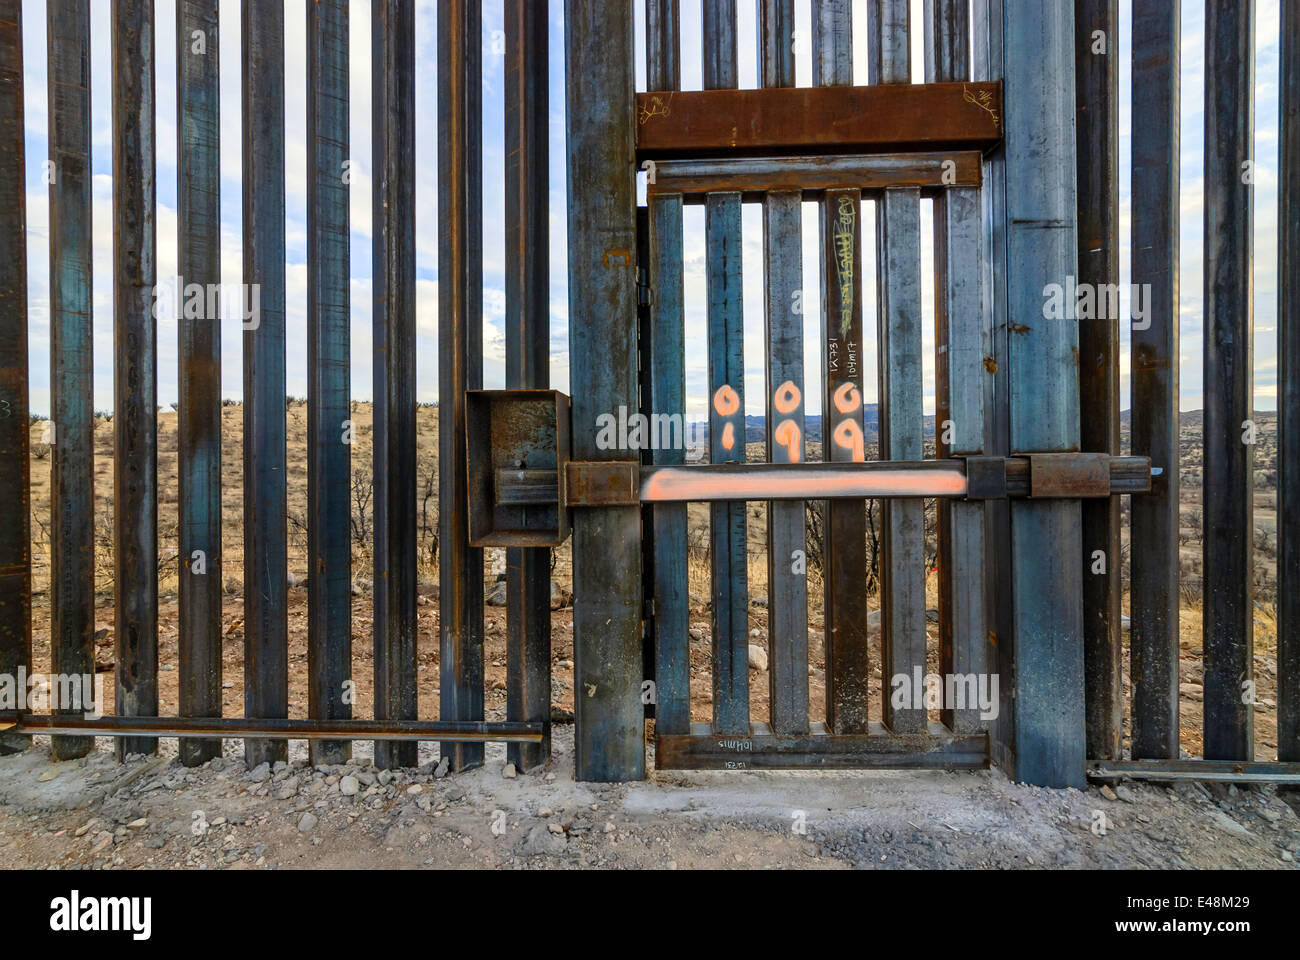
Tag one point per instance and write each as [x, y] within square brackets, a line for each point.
[1042, 249]
[1288, 562]
[460, 360]
[947, 40]
[988, 64]
[198, 189]
[776, 43]
[1153, 634]
[393, 251]
[135, 368]
[528, 572]
[902, 563]
[1229, 627]
[960, 376]
[15, 428]
[888, 44]
[666, 362]
[266, 645]
[727, 525]
[898, 287]
[844, 550]
[668, 393]
[1097, 124]
[72, 468]
[787, 580]
[329, 425]
[610, 734]
[663, 45]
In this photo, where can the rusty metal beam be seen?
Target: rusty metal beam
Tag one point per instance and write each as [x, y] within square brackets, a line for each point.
[393, 159]
[1288, 392]
[1228, 498]
[135, 367]
[1154, 600]
[266, 628]
[329, 424]
[72, 457]
[1096, 118]
[460, 360]
[406, 731]
[610, 734]
[199, 261]
[528, 571]
[811, 177]
[876, 748]
[15, 428]
[795, 120]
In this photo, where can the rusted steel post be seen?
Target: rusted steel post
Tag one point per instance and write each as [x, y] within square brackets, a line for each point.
[1040, 218]
[987, 65]
[72, 455]
[199, 262]
[726, 359]
[1096, 58]
[610, 734]
[528, 571]
[666, 363]
[135, 368]
[266, 644]
[960, 375]
[787, 547]
[1288, 562]
[15, 428]
[1228, 499]
[848, 670]
[329, 416]
[1153, 634]
[396, 535]
[460, 360]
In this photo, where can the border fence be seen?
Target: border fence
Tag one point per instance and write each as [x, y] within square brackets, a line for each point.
[1010, 144]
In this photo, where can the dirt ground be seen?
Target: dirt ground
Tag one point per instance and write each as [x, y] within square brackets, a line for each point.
[152, 813]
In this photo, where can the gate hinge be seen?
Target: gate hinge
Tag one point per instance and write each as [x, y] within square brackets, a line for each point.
[644, 294]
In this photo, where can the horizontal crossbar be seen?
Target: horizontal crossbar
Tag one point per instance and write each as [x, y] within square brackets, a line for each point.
[879, 749]
[802, 120]
[754, 177]
[254, 729]
[626, 483]
[1222, 771]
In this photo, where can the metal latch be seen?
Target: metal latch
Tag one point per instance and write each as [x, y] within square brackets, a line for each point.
[523, 485]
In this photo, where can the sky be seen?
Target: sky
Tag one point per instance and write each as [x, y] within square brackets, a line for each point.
[34, 43]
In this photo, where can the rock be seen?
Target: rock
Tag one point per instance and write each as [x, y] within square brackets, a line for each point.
[757, 658]
[496, 597]
[297, 580]
[307, 823]
[1272, 816]
[556, 829]
[368, 779]
[873, 620]
[559, 596]
[1286, 856]
[103, 840]
[441, 770]
[430, 588]
[349, 786]
[696, 632]
[1108, 793]
[541, 842]
[1192, 691]
[137, 824]
[48, 775]
[760, 601]
[259, 774]
[508, 771]
[1125, 794]
[234, 587]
